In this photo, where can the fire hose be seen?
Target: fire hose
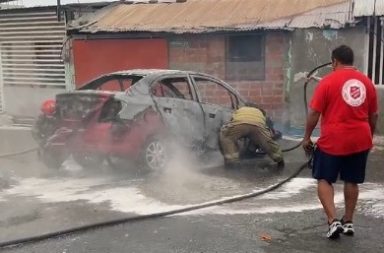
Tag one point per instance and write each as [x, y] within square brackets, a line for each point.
[23, 241]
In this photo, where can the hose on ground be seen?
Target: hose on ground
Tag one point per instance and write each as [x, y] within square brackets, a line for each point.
[22, 241]
[30, 150]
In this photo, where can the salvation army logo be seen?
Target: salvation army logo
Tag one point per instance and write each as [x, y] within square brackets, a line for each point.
[354, 92]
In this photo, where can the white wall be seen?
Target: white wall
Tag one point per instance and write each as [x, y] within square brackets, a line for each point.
[26, 101]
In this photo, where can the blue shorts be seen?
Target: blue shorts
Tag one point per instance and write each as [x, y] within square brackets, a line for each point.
[351, 168]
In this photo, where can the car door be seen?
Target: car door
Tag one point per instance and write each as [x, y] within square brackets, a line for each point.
[218, 103]
[176, 100]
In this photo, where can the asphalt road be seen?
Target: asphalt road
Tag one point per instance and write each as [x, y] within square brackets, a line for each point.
[36, 200]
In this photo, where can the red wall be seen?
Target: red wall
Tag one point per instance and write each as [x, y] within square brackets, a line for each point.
[93, 58]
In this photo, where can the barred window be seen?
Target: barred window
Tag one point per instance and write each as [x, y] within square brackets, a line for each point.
[245, 57]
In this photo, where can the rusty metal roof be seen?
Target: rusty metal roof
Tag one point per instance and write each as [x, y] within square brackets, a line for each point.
[368, 8]
[334, 16]
[198, 16]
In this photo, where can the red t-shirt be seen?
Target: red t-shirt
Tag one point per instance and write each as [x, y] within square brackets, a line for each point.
[345, 98]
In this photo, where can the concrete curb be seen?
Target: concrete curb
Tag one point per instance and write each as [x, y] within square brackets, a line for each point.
[14, 127]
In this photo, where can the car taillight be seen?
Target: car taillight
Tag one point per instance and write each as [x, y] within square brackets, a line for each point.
[48, 107]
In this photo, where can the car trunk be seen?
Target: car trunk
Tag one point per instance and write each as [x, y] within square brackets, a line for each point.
[80, 106]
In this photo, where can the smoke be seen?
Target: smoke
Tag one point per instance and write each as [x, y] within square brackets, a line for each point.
[182, 167]
[183, 178]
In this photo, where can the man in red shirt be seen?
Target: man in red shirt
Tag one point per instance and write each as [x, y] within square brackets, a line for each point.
[346, 100]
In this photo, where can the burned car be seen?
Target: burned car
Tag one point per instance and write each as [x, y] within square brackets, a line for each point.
[132, 115]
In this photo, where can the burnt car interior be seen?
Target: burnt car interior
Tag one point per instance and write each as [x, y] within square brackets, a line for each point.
[75, 108]
[110, 111]
[172, 88]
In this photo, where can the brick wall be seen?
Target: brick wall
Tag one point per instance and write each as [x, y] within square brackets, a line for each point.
[206, 53]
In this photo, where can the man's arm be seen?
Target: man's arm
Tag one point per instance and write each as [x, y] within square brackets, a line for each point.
[312, 119]
[372, 119]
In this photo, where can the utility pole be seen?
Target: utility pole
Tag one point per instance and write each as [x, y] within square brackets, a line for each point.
[58, 10]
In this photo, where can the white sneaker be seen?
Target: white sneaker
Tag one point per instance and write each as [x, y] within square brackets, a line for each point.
[335, 228]
[348, 228]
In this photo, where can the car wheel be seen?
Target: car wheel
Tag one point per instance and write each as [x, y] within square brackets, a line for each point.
[53, 159]
[88, 161]
[155, 154]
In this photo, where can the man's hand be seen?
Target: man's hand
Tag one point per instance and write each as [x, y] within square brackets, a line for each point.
[307, 146]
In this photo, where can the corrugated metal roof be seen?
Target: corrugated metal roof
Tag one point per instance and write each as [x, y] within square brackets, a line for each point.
[335, 16]
[368, 8]
[197, 16]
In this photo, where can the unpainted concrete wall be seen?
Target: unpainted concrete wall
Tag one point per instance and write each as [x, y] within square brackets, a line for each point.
[26, 101]
[313, 47]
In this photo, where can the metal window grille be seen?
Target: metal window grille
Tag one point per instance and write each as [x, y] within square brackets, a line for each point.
[1, 88]
[376, 50]
[30, 49]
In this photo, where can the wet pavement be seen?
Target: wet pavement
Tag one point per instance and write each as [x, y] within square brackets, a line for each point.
[36, 200]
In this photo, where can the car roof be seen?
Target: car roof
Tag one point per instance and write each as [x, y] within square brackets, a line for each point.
[155, 73]
[146, 72]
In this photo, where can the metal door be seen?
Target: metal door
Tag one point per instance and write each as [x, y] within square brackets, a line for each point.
[183, 115]
[218, 103]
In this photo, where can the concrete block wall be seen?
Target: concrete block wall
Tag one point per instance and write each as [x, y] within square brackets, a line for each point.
[207, 53]
[311, 48]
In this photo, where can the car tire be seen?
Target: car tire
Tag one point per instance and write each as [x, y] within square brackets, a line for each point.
[155, 154]
[88, 161]
[53, 159]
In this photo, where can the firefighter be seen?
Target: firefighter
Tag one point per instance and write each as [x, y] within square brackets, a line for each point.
[249, 122]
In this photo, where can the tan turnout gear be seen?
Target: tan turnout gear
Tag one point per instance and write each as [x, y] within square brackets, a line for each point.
[248, 122]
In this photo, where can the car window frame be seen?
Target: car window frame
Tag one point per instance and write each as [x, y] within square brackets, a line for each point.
[187, 78]
[238, 99]
[106, 78]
